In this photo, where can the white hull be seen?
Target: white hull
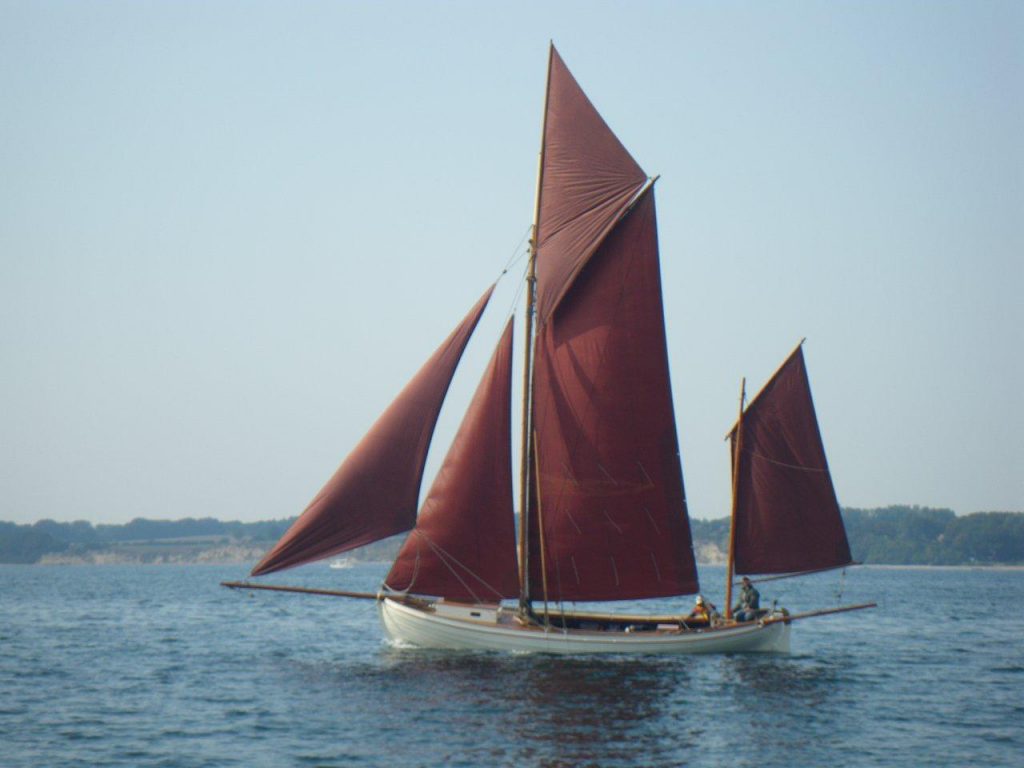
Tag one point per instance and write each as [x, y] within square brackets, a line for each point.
[483, 629]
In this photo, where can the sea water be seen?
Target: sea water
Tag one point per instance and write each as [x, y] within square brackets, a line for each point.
[160, 666]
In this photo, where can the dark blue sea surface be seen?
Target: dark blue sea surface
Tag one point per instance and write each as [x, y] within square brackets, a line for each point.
[160, 666]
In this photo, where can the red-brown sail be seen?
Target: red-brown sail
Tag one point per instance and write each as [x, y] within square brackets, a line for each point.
[611, 501]
[374, 492]
[787, 515]
[587, 182]
[463, 546]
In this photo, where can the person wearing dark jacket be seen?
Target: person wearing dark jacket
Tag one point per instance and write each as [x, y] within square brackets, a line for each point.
[749, 604]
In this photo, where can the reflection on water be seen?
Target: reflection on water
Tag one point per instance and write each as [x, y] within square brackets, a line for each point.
[808, 679]
[609, 710]
[626, 710]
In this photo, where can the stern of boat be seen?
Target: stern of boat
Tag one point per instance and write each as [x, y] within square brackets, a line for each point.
[777, 641]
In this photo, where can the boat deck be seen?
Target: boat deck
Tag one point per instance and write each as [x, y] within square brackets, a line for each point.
[585, 621]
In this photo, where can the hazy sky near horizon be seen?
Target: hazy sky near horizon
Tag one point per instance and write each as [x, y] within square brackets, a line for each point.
[230, 231]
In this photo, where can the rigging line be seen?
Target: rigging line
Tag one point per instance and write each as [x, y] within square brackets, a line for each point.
[795, 574]
[469, 589]
[516, 257]
[441, 556]
[518, 252]
[412, 580]
[784, 464]
[509, 266]
[444, 556]
[511, 311]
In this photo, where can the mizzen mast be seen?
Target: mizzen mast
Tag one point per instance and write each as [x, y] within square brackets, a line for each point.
[737, 446]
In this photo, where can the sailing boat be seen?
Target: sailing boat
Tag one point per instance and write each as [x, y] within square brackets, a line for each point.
[605, 516]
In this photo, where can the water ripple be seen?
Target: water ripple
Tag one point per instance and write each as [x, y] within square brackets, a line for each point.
[132, 666]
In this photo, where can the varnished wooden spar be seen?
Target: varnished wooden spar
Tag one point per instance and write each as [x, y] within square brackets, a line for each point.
[302, 590]
[782, 576]
[528, 447]
[825, 612]
[735, 493]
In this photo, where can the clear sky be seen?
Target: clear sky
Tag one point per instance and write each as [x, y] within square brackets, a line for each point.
[230, 231]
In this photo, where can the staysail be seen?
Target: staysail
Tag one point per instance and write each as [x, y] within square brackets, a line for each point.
[607, 513]
[463, 546]
[787, 518]
[374, 492]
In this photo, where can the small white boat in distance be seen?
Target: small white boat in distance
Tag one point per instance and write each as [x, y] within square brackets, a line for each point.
[341, 563]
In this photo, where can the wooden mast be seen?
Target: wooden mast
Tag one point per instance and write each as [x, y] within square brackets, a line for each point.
[737, 446]
[529, 343]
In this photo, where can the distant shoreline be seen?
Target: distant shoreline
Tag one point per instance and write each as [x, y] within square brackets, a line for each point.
[962, 567]
[108, 561]
[893, 537]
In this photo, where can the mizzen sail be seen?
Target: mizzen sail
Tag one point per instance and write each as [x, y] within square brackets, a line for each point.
[463, 546]
[374, 493]
[787, 516]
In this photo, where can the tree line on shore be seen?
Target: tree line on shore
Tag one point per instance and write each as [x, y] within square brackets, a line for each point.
[912, 535]
[897, 535]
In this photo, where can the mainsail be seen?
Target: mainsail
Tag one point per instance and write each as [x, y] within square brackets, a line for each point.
[463, 545]
[607, 511]
[787, 518]
[374, 492]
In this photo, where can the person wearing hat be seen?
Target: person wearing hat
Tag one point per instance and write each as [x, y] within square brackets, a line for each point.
[700, 612]
[703, 613]
[749, 604]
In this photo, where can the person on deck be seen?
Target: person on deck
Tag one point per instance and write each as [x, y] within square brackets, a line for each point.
[749, 605]
[704, 613]
[701, 613]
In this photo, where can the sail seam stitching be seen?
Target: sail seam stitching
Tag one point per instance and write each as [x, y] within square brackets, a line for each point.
[770, 460]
